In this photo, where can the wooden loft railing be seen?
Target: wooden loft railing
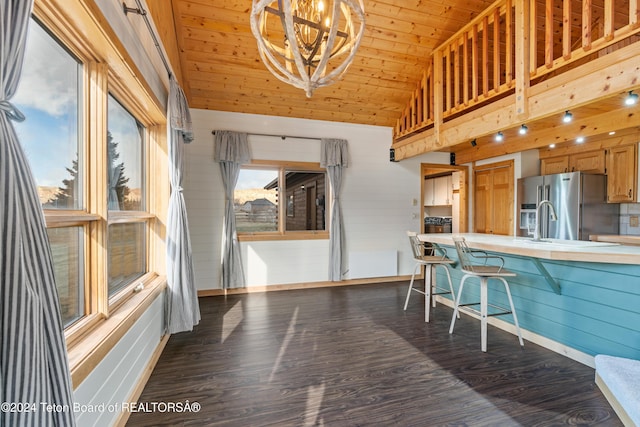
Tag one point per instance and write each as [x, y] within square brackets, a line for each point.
[513, 44]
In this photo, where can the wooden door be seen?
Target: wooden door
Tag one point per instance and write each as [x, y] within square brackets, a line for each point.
[482, 202]
[493, 199]
[502, 201]
[621, 174]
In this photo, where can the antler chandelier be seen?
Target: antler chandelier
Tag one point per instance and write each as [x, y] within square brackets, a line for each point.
[307, 43]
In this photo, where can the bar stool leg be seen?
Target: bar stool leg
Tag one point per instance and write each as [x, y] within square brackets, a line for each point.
[457, 303]
[453, 294]
[428, 290]
[513, 311]
[413, 276]
[483, 313]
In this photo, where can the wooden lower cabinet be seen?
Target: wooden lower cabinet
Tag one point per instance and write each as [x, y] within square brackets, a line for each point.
[493, 199]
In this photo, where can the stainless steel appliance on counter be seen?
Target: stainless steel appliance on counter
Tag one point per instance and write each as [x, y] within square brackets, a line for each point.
[580, 204]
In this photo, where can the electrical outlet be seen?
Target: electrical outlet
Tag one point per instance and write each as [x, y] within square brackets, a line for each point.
[633, 221]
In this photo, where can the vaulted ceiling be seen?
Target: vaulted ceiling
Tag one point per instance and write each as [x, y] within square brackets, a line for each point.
[220, 69]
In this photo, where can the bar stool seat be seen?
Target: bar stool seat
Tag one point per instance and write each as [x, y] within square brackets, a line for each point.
[437, 258]
[484, 273]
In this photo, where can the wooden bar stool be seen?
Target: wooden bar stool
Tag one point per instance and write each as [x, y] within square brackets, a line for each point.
[431, 262]
[484, 272]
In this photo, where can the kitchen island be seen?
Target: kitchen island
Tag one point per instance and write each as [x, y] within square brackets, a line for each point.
[577, 298]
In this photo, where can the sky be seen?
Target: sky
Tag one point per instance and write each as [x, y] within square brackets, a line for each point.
[252, 178]
[49, 95]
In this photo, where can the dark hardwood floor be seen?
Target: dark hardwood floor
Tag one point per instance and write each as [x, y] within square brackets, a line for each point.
[350, 356]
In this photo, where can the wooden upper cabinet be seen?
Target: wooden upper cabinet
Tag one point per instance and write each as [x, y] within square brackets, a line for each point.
[553, 165]
[622, 174]
[589, 161]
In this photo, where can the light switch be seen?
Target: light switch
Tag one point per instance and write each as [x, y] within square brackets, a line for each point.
[414, 202]
[633, 221]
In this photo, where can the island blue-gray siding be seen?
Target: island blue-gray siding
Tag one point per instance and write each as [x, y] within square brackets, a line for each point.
[597, 312]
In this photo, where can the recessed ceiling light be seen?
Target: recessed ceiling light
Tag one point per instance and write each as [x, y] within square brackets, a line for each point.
[523, 130]
[631, 99]
[499, 137]
[567, 117]
[613, 132]
[580, 139]
[552, 145]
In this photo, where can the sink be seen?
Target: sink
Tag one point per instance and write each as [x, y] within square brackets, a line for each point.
[569, 243]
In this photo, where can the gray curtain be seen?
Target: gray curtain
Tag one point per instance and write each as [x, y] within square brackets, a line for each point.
[231, 150]
[33, 358]
[335, 157]
[183, 311]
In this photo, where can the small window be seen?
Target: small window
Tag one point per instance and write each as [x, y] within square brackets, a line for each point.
[257, 196]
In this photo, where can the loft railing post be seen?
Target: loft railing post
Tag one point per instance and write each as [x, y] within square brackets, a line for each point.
[438, 98]
[522, 46]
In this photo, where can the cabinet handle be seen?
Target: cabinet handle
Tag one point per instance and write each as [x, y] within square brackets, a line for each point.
[629, 193]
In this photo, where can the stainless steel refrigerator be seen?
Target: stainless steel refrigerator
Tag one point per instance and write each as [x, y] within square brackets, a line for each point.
[580, 204]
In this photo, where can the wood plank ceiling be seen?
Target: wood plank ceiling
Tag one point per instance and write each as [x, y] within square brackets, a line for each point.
[220, 68]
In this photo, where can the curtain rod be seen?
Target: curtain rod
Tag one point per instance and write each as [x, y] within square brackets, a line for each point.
[283, 137]
[140, 11]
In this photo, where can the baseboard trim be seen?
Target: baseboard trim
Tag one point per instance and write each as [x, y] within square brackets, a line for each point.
[305, 285]
[142, 381]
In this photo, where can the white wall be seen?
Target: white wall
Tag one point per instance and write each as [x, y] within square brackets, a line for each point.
[101, 394]
[376, 199]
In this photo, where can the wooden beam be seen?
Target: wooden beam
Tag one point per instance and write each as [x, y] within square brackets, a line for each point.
[593, 126]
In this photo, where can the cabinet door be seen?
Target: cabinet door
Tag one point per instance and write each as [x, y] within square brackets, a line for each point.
[553, 165]
[621, 174]
[429, 192]
[590, 161]
[441, 191]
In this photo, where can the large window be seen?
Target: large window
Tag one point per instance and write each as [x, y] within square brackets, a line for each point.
[88, 150]
[49, 95]
[280, 199]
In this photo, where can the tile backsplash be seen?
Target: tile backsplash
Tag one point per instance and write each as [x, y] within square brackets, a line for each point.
[629, 218]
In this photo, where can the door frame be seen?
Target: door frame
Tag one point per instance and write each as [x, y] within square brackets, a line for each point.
[428, 170]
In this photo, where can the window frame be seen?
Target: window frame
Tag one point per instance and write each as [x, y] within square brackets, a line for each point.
[108, 70]
[282, 234]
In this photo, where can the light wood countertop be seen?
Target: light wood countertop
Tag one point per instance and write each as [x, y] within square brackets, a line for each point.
[560, 250]
[614, 238]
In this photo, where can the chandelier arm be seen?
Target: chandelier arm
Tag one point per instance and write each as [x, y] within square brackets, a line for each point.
[270, 61]
[322, 65]
[355, 41]
[297, 56]
[342, 68]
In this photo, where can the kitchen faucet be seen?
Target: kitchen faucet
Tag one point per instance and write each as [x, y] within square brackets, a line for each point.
[552, 217]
